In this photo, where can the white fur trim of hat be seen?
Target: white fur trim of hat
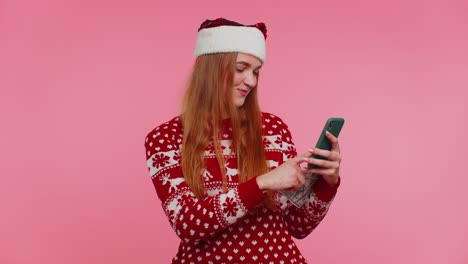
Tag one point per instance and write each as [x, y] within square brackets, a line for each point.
[219, 39]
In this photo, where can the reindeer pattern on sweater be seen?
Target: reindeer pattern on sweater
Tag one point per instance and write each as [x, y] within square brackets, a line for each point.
[232, 226]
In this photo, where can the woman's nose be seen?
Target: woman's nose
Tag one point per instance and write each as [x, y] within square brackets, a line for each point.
[250, 80]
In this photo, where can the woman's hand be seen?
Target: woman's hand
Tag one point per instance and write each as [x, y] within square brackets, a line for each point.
[330, 168]
[291, 176]
[288, 176]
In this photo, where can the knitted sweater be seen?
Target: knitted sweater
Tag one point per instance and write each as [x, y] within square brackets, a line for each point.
[232, 226]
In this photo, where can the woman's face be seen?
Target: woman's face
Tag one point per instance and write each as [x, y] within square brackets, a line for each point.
[245, 77]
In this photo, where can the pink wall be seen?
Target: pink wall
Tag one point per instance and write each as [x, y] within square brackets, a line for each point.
[82, 82]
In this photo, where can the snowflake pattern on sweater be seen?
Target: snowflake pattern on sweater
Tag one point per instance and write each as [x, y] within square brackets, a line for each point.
[231, 227]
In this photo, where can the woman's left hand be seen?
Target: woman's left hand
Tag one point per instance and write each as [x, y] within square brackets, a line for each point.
[329, 168]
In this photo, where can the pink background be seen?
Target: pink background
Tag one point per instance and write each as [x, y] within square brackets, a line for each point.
[83, 82]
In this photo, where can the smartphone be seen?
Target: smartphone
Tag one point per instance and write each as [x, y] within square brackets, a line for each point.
[333, 125]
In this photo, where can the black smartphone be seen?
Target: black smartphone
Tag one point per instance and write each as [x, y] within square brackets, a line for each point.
[334, 126]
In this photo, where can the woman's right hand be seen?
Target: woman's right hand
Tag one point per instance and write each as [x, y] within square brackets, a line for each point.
[288, 176]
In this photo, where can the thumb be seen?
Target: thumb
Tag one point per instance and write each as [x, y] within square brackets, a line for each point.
[300, 159]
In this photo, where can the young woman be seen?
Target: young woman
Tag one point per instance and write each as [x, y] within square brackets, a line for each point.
[222, 168]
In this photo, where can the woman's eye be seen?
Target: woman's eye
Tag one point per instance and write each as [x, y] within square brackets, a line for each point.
[239, 70]
[256, 73]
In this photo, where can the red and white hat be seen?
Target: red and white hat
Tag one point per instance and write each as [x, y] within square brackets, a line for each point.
[222, 35]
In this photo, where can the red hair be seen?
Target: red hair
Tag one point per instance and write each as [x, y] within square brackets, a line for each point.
[207, 100]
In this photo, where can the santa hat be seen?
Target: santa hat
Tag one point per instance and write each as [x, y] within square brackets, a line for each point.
[222, 35]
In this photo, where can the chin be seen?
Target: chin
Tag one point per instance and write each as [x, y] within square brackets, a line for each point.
[239, 103]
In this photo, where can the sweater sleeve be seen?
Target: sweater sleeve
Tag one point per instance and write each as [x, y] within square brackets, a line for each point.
[191, 218]
[302, 221]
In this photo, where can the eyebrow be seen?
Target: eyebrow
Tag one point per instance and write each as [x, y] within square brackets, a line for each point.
[248, 64]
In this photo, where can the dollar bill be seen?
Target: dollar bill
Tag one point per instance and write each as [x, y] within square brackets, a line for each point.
[300, 196]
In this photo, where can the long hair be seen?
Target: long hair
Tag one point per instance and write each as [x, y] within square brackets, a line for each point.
[209, 98]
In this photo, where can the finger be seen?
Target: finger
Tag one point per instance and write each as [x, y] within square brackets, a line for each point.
[326, 164]
[334, 141]
[323, 172]
[308, 153]
[292, 189]
[296, 185]
[301, 177]
[322, 152]
[301, 158]
[330, 155]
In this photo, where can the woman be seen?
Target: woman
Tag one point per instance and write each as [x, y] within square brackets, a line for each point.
[222, 168]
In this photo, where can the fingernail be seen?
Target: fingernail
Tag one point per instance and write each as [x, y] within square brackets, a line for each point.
[305, 159]
[311, 150]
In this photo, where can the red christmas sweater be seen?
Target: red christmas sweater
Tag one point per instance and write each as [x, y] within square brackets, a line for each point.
[232, 226]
